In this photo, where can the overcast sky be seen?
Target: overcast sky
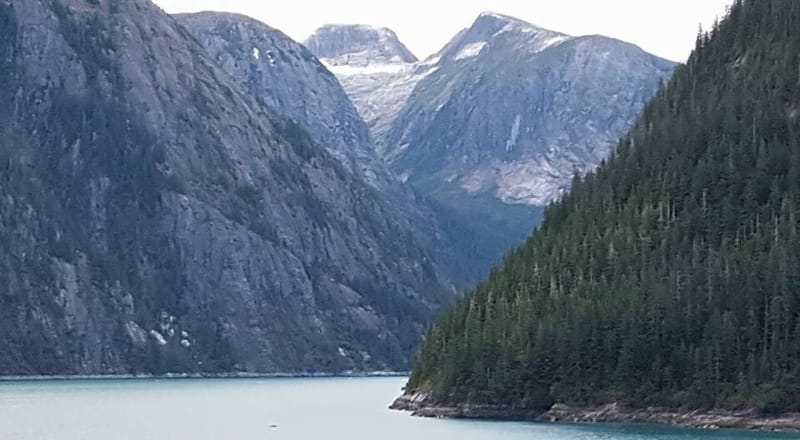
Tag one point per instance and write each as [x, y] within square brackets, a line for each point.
[665, 28]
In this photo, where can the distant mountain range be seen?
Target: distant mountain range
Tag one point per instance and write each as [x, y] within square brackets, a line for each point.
[505, 114]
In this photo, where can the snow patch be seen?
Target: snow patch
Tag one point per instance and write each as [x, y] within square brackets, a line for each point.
[552, 41]
[136, 333]
[470, 51]
[432, 60]
[158, 337]
[256, 53]
[493, 15]
[512, 141]
[369, 69]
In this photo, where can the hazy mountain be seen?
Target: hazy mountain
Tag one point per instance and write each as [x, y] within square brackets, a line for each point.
[375, 68]
[358, 45]
[505, 114]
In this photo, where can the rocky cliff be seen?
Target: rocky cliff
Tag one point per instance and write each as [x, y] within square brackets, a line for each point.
[155, 217]
[514, 111]
[286, 77]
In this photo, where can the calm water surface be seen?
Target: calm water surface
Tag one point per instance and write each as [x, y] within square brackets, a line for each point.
[280, 409]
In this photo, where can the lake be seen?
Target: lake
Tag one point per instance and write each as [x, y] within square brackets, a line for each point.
[281, 409]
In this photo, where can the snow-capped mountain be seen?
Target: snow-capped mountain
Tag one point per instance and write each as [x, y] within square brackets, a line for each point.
[358, 46]
[377, 70]
[506, 109]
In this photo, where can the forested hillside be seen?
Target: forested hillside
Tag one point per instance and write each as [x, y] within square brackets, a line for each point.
[670, 276]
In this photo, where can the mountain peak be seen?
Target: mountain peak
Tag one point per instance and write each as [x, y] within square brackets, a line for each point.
[356, 44]
[488, 26]
[494, 22]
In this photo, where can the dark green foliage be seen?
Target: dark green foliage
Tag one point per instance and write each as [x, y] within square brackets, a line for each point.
[8, 37]
[670, 275]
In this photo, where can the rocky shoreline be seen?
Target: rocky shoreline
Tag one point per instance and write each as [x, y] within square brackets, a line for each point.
[424, 405]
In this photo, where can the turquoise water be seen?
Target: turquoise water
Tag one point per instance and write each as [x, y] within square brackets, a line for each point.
[280, 409]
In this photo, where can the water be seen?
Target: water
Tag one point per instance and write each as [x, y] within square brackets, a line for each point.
[243, 409]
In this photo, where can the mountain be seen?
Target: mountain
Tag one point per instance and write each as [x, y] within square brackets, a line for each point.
[515, 111]
[286, 77]
[501, 119]
[358, 45]
[377, 70]
[668, 277]
[155, 217]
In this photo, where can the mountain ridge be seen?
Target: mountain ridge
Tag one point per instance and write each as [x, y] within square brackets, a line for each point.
[358, 44]
[286, 77]
[406, 106]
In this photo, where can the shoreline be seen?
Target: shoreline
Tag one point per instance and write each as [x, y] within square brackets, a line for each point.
[423, 405]
[177, 376]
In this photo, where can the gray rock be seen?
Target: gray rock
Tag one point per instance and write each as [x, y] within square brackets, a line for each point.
[293, 82]
[286, 77]
[154, 217]
[515, 111]
[358, 45]
[505, 114]
[377, 70]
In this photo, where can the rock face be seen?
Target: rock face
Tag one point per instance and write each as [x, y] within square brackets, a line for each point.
[506, 113]
[377, 70]
[154, 217]
[358, 45]
[286, 77]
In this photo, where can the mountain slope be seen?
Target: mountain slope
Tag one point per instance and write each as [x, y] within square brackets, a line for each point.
[669, 276]
[496, 124]
[156, 218]
[358, 45]
[375, 68]
[286, 77]
[513, 111]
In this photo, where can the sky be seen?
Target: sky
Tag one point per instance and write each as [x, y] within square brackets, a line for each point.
[665, 28]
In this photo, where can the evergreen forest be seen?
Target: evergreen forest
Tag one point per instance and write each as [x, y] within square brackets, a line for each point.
[671, 275]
